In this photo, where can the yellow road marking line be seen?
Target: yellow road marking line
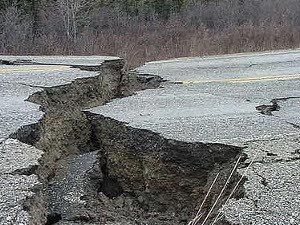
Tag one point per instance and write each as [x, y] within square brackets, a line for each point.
[35, 69]
[242, 80]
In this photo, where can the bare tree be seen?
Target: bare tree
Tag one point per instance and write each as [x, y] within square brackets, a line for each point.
[15, 31]
[70, 12]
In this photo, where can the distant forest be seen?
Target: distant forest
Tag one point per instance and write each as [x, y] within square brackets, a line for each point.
[145, 30]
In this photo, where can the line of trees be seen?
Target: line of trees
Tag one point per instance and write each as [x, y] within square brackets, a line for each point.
[143, 30]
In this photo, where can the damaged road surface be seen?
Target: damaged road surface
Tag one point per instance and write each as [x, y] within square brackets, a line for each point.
[22, 199]
[246, 100]
[61, 164]
[84, 142]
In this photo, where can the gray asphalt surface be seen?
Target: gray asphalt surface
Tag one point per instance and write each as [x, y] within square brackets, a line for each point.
[17, 82]
[213, 99]
[60, 60]
[227, 66]
[14, 188]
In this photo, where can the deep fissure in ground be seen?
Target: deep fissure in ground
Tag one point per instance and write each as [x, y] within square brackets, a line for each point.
[101, 171]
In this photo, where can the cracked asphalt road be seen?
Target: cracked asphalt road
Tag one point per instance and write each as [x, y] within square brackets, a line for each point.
[209, 99]
[17, 83]
[214, 99]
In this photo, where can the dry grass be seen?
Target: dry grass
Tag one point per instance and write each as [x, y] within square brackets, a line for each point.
[170, 41]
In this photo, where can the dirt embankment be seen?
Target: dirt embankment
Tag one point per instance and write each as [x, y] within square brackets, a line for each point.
[96, 170]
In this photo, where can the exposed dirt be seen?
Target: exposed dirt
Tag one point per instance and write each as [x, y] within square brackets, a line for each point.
[97, 170]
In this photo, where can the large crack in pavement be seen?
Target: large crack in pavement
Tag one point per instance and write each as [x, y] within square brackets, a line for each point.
[166, 179]
[96, 170]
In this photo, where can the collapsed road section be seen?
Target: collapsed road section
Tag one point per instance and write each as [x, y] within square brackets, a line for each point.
[68, 165]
